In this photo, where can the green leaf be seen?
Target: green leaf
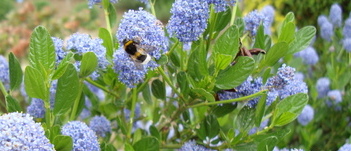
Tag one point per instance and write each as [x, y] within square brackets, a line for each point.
[122, 125]
[288, 33]
[197, 64]
[63, 143]
[236, 74]
[183, 83]
[222, 19]
[222, 110]
[228, 42]
[158, 89]
[41, 50]
[107, 147]
[163, 60]
[67, 90]
[222, 60]
[289, 108]
[35, 83]
[112, 15]
[16, 74]
[245, 119]
[154, 132]
[239, 22]
[267, 141]
[88, 64]
[260, 109]
[12, 105]
[128, 147]
[105, 35]
[277, 51]
[61, 68]
[260, 38]
[302, 40]
[209, 127]
[200, 92]
[147, 144]
[289, 18]
[174, 57]
[147, 94]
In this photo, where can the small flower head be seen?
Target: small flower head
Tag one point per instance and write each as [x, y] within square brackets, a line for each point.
[91, 3]
[306, 115]
[347, 44]
[335, 95]
[36, 108]
[322, 19]
[221, 5]
[143, 27]
[347, 28]
[326, 31]
[188, 20]
[192, 146]
[83, 137]
[323, 86]
[250, 86]
[345, 147]
[294, 87]
[268, 11]
[100, 125]
[284, 76]
[308, 55]
[60, 53]
[18, 131]
[335, 15]
[4, 74]
[82, 43]
[253, 20]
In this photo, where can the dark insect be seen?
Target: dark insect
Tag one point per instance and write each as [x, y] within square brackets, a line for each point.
[136, 52]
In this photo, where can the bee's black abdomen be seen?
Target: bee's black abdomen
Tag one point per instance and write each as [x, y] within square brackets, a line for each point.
[130, 47]
[142, 58]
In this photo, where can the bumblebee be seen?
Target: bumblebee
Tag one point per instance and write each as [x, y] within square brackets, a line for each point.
[136, 52]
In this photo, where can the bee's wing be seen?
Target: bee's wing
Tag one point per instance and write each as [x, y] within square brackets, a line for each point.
[138, 65]
[145, 48]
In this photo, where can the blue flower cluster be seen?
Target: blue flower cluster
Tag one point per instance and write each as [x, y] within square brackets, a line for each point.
[308, 55]
[269, 12]
[18, 131]
[287, 149]
[60, 52]
[221, 5]
[347, 34]
[192, 146]
[82, 43]
[36, 108]
[285, 76]
[306, 115]
[322, 86]
[143, 27]
[91, 3]
[335, 15]
[345, 147]
[100, 125]
[4, 74]
[83, 137]
[335, 95]
[253, 20]
[327, 25]
[188, 20]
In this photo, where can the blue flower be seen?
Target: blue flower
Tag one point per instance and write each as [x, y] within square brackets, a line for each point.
[83, 137]
[335, 95]
[322, 19]
[347, 28]
[322, 86]
[144, 1]
[308, 55]
[36, 108]
[284, 77]
[268, 11]
[326, 31]
[137, 112]
[18, 131]
[306, 115]
[60, 53]
[188, 20]
[145, 28]
[82, 43]
[294, 87]
[91, 3]
[100, 125]
[221, 5]
[335, 15]
[4, 74]
[347, 44]
[345, 147]
[192, 146]
[253, 21]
